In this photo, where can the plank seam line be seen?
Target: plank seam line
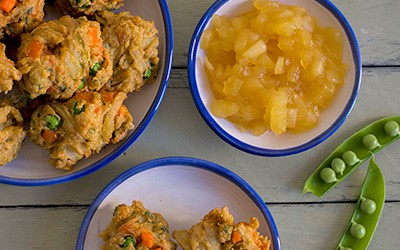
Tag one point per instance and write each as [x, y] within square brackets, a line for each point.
[364, 66]
[321, 203]
[86, 206]
[380, 66]
[44, 206]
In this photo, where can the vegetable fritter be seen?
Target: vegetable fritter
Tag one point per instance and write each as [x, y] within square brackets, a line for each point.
[12, 132]
[135, 227]
[8, 72]
[81, 126]
[133, 44]
[63, 56]
[20, 16]
[217, 230]
[87, 7]
[26, 106]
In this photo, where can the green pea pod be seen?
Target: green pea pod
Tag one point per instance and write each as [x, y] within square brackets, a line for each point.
[385, 130]
[365, 216]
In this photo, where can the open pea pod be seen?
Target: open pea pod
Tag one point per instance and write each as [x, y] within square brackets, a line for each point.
[367, 212]
[351, 153]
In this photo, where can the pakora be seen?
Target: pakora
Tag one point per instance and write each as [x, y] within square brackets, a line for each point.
[133, 44]
[8, 72]
[135, 227]
[217, 230]
[81, 126]
[12, 132]
[20, 16]
[63, 56]
[87, 7]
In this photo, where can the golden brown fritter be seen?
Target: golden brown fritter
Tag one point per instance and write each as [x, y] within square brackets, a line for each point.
[217, 230]
[63, 56]
[81, 126]
[20, 16]
[12, 132]
[135, 227]
[87, 7]
[133, 44]
[8, 72]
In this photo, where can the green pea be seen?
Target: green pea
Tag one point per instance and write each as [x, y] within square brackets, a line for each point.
[82, 84]
[362, 225]
[350, 158]
[344, 248]
[147, 73]
[149, 214]
[358, 231]
[338, 165]
[368, 206]
[328, 175]
[370, 141]
[353, 152]
[128, 240]
[392, 128]
[78, 108]
[52, 122]
[93, 70]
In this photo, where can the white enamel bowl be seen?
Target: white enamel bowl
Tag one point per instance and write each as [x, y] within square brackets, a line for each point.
[285, 144]
[182, 190]
[31, 167]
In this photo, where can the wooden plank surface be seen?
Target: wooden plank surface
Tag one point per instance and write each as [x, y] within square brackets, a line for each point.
[50, 217]
[57, 228]
[178, 130]
[375, 24]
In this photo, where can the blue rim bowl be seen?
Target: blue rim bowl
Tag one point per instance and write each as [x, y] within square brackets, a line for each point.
[127, 142]
[247, 142]
[158, 165]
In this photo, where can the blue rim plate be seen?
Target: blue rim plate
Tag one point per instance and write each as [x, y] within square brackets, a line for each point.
[206, 185]
[56, 178]
[264, 151]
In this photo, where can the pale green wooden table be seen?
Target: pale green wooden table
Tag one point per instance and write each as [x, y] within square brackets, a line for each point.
[50, 217]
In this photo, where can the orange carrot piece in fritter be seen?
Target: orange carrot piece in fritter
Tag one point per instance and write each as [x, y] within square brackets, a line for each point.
[49, 136]
[7, 5]
[34, 49]
[147, 239]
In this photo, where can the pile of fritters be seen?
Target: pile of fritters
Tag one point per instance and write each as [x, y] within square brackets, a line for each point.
[70, 76]
[135, 227]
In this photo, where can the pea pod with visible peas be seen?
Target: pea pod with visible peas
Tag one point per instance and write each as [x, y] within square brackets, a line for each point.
[351, 153]
[364, 220]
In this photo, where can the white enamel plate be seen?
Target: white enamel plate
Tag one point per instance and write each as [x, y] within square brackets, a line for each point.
[182, 190]
[31, 167]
